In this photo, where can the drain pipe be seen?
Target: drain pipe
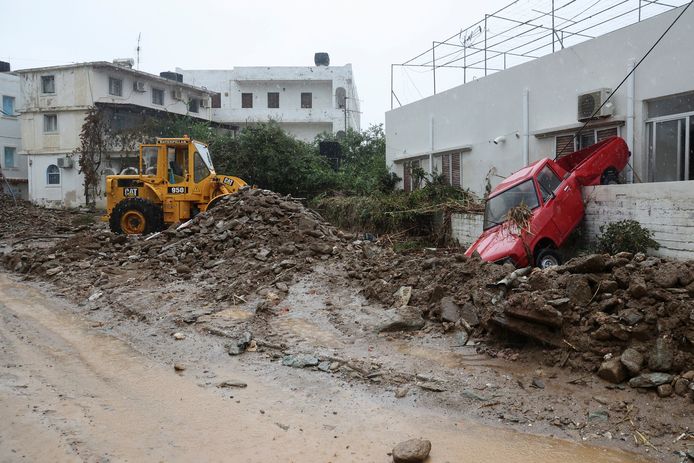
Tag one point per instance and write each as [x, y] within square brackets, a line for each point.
[431, 145]
[630, 122]
[526, 127]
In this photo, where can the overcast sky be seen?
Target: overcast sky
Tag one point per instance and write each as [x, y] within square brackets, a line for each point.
[208, 34]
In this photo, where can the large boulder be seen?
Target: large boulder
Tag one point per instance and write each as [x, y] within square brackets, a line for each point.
[613, 371]
[650, 380]
[450, 311]
[660, 358]
[593, 263]
[632, 361]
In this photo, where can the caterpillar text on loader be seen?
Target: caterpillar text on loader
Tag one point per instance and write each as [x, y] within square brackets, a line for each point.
[175, 180]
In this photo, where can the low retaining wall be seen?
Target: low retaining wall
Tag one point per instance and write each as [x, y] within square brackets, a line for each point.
[666, 208]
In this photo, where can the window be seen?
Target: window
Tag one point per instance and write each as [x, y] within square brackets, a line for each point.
[216, 100]
[670, 138]
[193, 105]
[567, 143]
[411, 175]
[50, 123]
[158, 96]
[200, 170]
[115, 86]
[8, 105]
[450, 168]
[340, 98]
[273, 100]
[549, 181]
[307, 100]
[9, 156]
[47, 84]
[246, 100]
[53, 175]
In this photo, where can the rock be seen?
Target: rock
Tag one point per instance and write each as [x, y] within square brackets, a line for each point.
[401, 392]
[613, 371]
[630, 316]
[681, 387]
[608, 286]
[559, 303]
[594, 263]
[667, 275]
[578, 289]
[263, 254]
[95, 296]
[321, 248]
[324, 366]
[469, 314]
[538, 383]
[182, 269]
[689, 375]
[179, 367]
[300, 361]
[239, 346]
[54, 270]
[403, 319]
[664, 390]
[637, 288]
[232, 383]
[648, 380]
[660, 359]
[179, 336]
[402, 296]
[411, 451]
[450, 311]
[598, 415]
[632, 361]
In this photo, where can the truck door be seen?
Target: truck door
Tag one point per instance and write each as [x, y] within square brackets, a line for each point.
[563, 198]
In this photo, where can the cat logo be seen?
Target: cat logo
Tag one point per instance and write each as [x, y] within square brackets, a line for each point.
[228, 181]
[130, 192]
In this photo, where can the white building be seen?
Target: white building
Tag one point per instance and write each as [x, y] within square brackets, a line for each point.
[531, 110]
[12, 162]
[305, 100]
[55, 101]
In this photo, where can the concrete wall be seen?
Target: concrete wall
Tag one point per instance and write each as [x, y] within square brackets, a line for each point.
[466, 228]
[475, 113]
[665, 208]
[10, 136]
[321, 81]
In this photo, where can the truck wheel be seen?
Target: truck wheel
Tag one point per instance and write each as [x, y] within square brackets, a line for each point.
[136, 216]
[548, 257]
[610, 177]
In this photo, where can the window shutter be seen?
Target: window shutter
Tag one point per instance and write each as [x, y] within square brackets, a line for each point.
[406, 177]
[607, 133]
[446, 167]
[455, 169]
[564, 144]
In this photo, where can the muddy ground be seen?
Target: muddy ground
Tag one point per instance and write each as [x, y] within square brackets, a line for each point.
[295, 305]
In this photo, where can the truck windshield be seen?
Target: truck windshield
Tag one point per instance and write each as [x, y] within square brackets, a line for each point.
[497, 206]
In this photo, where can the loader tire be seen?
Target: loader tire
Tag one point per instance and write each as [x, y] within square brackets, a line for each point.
[136, 216]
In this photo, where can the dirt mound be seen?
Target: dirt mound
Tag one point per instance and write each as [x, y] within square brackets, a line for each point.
[250, 240]
[22, 219]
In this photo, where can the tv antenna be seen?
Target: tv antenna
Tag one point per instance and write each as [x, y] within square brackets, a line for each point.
[139, 35]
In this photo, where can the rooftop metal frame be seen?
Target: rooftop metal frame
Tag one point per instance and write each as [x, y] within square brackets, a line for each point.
[524, 30]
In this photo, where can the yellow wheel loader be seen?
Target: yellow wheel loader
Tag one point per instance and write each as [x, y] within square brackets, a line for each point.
[175, 180]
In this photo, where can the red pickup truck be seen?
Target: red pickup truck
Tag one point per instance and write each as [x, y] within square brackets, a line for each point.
[552, 190]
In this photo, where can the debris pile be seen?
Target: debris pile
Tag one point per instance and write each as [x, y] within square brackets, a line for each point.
[22, 220]
[249, 240]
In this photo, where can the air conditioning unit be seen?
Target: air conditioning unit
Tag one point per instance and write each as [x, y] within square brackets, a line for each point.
[65, 163]
[177, 94]
[589, 102]
[139, 86]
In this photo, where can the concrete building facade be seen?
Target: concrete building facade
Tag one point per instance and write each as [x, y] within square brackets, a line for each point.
[480, 132]
[13, 162]
[55, 101]
[305, 101]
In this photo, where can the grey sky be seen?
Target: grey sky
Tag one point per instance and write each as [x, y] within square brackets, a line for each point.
[206, 34]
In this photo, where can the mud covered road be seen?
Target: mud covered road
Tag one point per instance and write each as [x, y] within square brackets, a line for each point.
[71, 392]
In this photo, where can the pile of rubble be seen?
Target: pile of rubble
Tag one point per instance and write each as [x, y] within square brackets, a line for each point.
[250, 240]
[17, 217]
[625, 317]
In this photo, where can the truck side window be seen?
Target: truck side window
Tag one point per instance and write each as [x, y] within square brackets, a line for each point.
[149, 155]
[549, 182]
[176, 160]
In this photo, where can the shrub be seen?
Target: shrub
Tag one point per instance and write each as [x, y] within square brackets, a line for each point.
[625, 235]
